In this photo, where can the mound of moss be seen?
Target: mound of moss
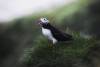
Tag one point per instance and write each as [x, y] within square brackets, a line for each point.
[44, 54]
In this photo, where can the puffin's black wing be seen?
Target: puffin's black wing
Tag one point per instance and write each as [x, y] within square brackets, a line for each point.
[68, 36]
[60, 36]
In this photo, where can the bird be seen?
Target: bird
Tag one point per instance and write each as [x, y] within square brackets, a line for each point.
[52, 33]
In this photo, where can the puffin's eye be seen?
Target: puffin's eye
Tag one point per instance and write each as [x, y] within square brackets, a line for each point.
[44, 19]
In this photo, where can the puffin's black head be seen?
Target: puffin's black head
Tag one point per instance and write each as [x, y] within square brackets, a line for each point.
[43, 21]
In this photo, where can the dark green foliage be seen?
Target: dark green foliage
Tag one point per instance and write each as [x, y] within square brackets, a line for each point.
[45, 54]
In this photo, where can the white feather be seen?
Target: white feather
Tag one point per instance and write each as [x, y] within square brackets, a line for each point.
[44, 20]
[47, 33]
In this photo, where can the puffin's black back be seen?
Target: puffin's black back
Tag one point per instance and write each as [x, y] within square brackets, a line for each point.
[60, 36]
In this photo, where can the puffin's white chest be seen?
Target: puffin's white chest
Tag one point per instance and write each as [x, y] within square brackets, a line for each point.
[47, 33]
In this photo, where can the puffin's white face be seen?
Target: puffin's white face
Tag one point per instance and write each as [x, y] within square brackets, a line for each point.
[43, 21]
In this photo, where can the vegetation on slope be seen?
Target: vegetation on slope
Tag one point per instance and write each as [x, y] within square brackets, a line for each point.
[44, 54]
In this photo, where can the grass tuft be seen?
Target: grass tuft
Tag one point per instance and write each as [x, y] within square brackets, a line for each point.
[60, 55]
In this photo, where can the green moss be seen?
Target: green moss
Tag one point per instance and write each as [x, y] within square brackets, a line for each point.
[45, 54]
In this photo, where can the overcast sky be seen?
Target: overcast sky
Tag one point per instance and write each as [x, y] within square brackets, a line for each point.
[11, 9]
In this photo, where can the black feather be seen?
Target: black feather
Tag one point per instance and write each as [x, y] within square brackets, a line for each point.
[60, 36]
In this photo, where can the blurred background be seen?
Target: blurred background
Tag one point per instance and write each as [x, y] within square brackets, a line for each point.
[22, 43]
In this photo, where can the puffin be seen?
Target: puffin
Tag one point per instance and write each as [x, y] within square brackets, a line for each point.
[52, 33]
